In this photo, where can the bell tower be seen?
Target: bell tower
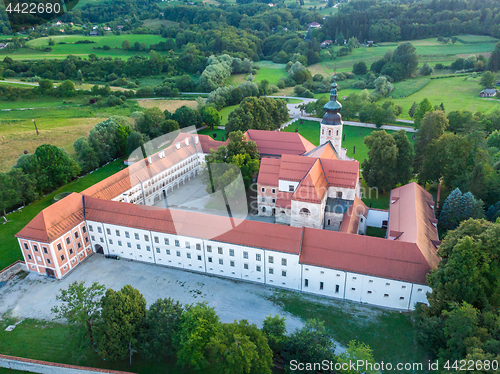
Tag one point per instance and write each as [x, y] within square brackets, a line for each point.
[331, 125]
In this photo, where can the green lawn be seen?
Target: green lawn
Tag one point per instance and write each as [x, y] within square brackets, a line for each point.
[224, 113]
[62, 50]
[220, 134]
[9, 247]
[390, 334]
[376, 231]
[270, 71]
[57, 342]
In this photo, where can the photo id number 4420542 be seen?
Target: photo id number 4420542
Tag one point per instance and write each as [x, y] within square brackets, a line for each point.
[33, 8]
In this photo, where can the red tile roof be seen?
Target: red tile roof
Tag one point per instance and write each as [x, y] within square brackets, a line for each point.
[269, 171]
[323, 151]
[411, 216]
[350, 220]
[313, 187]
[341, 173]
[279, 143]
[364, 255]
[284, 200]
[55, 220]
[295, 168]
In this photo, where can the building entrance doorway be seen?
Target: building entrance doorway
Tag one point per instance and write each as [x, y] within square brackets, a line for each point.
[50, 273]
[99, 249]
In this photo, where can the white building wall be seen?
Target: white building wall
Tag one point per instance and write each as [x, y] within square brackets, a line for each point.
[284, 186]
[314, 219]
[375, 217]
[419, 295]
[282, 270]
[347, 193]
[333, 281]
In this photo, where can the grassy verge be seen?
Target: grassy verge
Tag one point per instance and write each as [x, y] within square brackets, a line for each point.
[375, 231]
[9, 247]
[390, 334]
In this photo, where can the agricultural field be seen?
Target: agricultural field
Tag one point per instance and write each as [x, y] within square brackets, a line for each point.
[270, 71]
[170, 105]
[62, 50]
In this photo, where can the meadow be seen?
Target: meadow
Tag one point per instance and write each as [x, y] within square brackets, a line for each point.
[269, 71]
[170, 105]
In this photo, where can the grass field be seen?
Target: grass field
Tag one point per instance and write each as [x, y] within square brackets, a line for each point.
[57, 126]
[380, 329]
[224, 113]
[409, 87]
[270, 71]
[220, 134]
[62, 50]
[9, 250]
[170, 105]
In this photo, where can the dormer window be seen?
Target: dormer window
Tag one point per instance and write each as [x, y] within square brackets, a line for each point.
[291, 188]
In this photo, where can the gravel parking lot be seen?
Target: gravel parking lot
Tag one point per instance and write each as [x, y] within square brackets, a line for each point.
[35, 295]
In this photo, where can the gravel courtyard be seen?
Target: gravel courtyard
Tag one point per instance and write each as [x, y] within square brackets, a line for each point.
[35, 295]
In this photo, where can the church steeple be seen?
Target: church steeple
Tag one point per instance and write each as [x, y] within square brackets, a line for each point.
[331, 125]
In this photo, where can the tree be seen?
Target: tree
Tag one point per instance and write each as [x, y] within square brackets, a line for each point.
[122, 133]
[126, 45]
[186, 116]
[426, 69]
[210, 116]
[197, 325]
[66, 89]
[24, 185]
[359, 68]
[85, 155]
[459, 207]
[264, 87]
[406, 55]
[413, 109]
[45, 85]
[309, 344]
[81, 305]
[404, 160]
[432, 128]
[488, 79]
[168, 125]
[103, 138]
[494, 139]
[423, 107]
[161, 325]
[136, 140]
[378, 170]
[150, 123]
[494, 60]
[275, 330]
[240, 348]
[356, 351]
[461, 121]
[122, 317]
[9, 196]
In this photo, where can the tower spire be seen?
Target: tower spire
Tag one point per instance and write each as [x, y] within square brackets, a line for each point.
[331, 125]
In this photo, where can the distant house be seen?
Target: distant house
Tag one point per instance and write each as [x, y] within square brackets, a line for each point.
[93, 33]
[119, 27]
[489, 92]
[107, 28]
[326, 43]
[271, 4]
[59, 23]
[314, 25]
[95, 27]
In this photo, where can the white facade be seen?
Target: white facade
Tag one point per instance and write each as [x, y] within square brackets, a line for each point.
[257, 265]
[332, 133]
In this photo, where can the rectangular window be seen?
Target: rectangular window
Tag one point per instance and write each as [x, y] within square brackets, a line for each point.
[245, 266]
[166, 241]
[93, 238]
[167, 251]
[45, 250]
[29, 256]
[283, 273]
[320, 285]
[62, 257]
[177, 244]
[199, 258]
[91, 228]
[337, 288]
[102, 240]
[274, 190]
[283, 261]
[48, 260]
[273, 201]
[148, 248]
[86, 239]
[119, 243]
[110, 241]
[263, 189]
[263, 199]
[369, 292]
[401, 298]
[67, 240]
[306, 282]
[419, 290]
[210, 259]
[258, 268]
[26, 246]
[188, 245]
[129, 245]
[157, 250]
[127, 234]
[271, 271]
[403, 287]
[138, 246]
[232, 263]
[353, 289]
[290, 188]
[99, 230]
[117, 232]
[209, 248]
[146, 238]
[387, 284]
[245, 255]
[198, 246]
[339, 195]
[79, 245]
[231, 252]
[178, 253]
[108, 231]
[386, 295]
[188, 255]
[136, 236]
[271, 259]
[76, 235]
[219, 250]
[157, 239]
[257, 257]
[353, 278]
[221, 262]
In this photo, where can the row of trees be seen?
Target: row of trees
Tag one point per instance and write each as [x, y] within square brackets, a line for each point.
[118, 324]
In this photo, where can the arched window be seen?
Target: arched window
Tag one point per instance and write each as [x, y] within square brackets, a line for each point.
[305, 211]
[329, 132]
[263, 209]
[323, 131]
[337, 132]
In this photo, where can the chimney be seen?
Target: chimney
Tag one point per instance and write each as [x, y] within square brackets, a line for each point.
[178, 145]
[196, 139]
[186, 141]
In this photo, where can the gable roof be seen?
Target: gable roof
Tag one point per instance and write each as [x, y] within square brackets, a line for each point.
[350, 220]
[326, 150]
[313, 187]
[412, 220]
[295, 168]
[277, 143]
[55, 220]
[269, 171]
[341, 173]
